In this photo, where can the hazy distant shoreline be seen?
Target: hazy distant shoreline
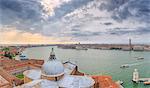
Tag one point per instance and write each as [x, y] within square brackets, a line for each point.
[124, 47]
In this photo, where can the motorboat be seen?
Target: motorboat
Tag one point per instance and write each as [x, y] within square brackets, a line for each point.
[23, 57]
[81, 48]
[140, 58]
[124, 66]
[119, 82]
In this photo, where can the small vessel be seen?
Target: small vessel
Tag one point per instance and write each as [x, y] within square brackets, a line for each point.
[23, 57]
[140, 58]
[147, 83]
[119, 82]
[124, 66]
[81, 48]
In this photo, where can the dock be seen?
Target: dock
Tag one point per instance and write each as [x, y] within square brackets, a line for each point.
[144, 79]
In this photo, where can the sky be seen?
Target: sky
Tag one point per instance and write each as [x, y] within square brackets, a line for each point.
[73, 21]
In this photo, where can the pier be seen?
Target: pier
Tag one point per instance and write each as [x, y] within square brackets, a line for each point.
[144, 79]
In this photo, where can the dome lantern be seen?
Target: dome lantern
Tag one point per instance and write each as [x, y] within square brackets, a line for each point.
[53, 67]
[52, 55]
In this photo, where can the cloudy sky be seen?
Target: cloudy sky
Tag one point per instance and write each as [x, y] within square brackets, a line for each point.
[71, 21]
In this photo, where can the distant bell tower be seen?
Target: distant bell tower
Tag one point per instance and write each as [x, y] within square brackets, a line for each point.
[79, 43]
[130, 44]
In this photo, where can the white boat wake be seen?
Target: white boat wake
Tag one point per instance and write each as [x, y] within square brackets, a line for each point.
[139, 63]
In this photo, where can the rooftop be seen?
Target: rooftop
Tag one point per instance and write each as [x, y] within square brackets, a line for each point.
[105, 82]
[42, 83]
[3, 82]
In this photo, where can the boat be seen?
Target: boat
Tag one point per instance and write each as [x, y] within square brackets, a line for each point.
[124, 66]
[23, 57]
[140, 58]
[81, 48]
[119, 82]
[147, 83]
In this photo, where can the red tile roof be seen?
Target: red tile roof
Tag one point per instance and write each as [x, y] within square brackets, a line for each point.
[105, 82]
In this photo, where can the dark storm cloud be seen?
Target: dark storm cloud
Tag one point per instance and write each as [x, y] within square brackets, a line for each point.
[26, 14]
[123, 31]
[75, 29]
[143, 31]
[108, 23]
[123, 9]
[32, 9]
[12, 10]
[85, 34]
[112, 4]
[68, 8]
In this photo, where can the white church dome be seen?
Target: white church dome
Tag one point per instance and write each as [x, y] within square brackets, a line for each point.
[53, 66]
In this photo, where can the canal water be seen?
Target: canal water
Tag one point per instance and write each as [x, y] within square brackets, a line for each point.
[100, 62]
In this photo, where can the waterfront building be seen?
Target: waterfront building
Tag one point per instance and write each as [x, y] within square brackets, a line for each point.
[80, 47]
[53, 71]
[4, 83]
[105, 82]
[10, 69]
[126, 48]
[50, 74]
[137, 79]
[138, 48]
[135, 76]
[147, 48]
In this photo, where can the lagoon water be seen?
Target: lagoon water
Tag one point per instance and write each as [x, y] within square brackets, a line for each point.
[100, 62]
